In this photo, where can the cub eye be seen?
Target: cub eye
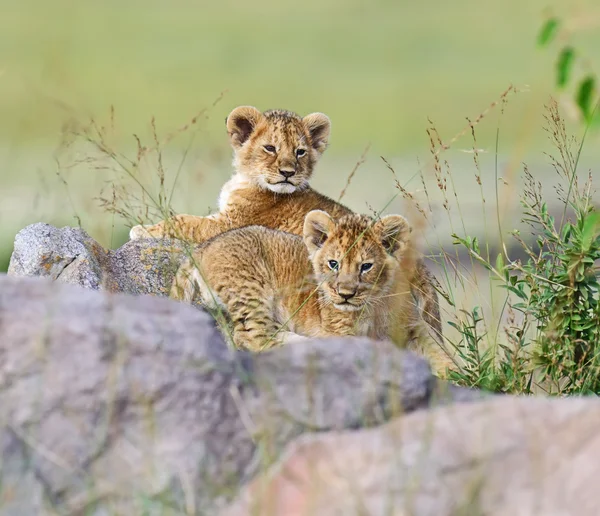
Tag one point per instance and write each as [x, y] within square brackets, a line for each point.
[270, 148]
[333, 265]
[300, 152]
[366, 267]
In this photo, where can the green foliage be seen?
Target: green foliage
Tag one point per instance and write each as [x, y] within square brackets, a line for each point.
[564, 66]
[566, 304]
[482, 368]
[585, 96]
[552, 333]
[548, 31]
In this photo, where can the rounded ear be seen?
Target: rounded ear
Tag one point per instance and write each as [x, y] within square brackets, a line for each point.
[318, 126]
[240, 124]
[393, 232]
[317, 226]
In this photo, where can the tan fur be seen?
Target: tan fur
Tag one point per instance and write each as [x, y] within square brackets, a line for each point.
[273, 284]
[255, 195]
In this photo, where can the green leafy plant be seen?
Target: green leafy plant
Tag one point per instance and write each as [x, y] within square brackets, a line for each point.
[552, 333]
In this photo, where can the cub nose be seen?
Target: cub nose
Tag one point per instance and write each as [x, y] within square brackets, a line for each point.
[347, 294]
[287, 173]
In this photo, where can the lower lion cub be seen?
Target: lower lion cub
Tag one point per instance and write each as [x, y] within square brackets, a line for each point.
[335, 280]
[345, 276]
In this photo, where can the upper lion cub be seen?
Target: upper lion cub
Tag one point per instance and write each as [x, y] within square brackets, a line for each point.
[275, 153]
[271, 283]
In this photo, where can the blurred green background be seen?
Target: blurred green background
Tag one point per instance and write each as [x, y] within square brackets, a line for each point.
[379, 69]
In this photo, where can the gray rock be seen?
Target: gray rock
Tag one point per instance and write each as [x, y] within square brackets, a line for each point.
[67, 254]
[70, 255]
[135, 404]
[517, 456]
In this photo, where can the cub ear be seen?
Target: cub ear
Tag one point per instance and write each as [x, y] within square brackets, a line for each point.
[394, 232]
[317, 227]
[318, 126]
[240, 124]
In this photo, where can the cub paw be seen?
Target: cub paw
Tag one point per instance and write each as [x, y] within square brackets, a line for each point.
[289, 337]
[138, 232]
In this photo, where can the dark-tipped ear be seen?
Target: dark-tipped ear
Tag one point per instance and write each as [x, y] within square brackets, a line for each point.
[394, 232]
[317, 227]
[240, 124]
[318, 126]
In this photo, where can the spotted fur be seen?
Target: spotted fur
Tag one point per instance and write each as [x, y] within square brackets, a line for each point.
[274, 284]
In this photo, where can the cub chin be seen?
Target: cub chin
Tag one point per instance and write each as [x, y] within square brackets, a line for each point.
[276, 286]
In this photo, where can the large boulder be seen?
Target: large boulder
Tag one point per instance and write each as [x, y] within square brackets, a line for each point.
[70, 255]
[114, 404]
[517, 456]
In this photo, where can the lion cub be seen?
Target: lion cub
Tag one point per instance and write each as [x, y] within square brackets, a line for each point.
[275, 286]
[275, 153]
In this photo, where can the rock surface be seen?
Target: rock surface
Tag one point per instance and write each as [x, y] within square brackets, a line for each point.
[130, 404]
[517, 456]
[70, 255]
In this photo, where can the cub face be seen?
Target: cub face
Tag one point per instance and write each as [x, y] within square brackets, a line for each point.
[277, 150]
[354, 258]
